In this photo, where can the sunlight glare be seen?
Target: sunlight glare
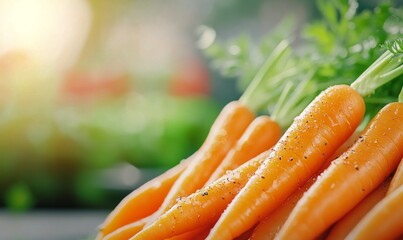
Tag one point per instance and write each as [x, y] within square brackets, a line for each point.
[52, 32]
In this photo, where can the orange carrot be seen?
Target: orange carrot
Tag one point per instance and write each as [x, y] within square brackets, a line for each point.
[384, 221]
[226, 130]
[313, 137]
[268, 227]
[260, 135]
[344, 226]
[137, 204]
[127, 231]
[196, 234]
[397, 179]
[247, 234]
[351, 177]
[203, 207]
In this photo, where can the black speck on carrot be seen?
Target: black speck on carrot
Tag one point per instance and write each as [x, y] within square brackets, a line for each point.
[205, 194]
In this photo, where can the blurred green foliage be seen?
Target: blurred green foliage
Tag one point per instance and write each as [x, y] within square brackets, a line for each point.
[19, 197]
[52, 147]
[152, 133]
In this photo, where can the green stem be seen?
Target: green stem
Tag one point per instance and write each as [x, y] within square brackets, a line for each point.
[279, 78]
[249, 96]
[281, 100]
[387, 67]
[393, 73]
[298, 94]
[401, 96]
[383, 100]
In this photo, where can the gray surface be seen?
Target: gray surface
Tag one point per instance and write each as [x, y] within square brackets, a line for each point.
[50, 225]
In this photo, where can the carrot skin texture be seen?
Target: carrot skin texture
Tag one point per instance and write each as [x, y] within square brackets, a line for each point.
[350, 177]
[397, 179]
[260, 136]
[196, 234]
[271, 224]
[246, 235]
[225, 131]
[313, 137]
[203, 207]
[344, 226]
[384, 221]
[137, 204]
[127, 231]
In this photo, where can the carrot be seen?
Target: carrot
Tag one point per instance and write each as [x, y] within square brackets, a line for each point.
[226, 130]
[196, 234]
[384, 221]
[203, 207]
[351, 177]
[137, 204]
[268, 227]
[260, 135]
[247, 234]
[397, 179]
[312, 138]
[127, 231]
[344, 226]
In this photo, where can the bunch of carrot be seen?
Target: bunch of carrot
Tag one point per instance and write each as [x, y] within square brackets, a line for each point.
[248, 180]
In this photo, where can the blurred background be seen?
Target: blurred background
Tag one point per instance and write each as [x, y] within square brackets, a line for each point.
[98, 96]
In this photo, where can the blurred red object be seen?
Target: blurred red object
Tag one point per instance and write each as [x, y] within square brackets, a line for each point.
[79, 86]
[191, 79]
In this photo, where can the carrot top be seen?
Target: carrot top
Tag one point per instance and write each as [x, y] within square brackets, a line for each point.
[384, 69]
[268, 83]
[332, 50]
